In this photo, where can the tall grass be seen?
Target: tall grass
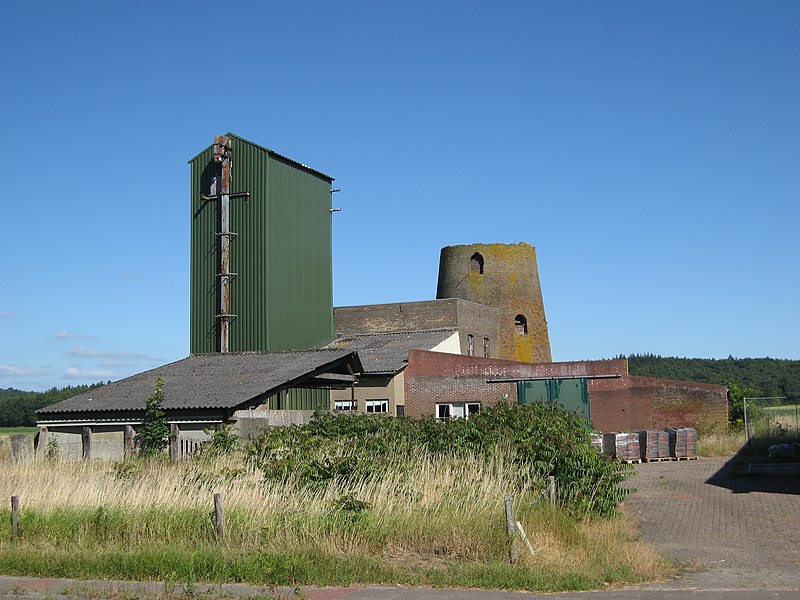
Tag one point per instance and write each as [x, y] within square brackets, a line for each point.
[424, 520]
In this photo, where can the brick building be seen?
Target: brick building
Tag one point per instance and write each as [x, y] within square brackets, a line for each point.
[617, 401]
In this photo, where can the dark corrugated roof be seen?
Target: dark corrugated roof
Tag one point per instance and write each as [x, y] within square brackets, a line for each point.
[388, 352]
[212, 381]
[265, 149]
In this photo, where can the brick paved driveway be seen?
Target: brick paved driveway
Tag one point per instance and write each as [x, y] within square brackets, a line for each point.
[732, 532]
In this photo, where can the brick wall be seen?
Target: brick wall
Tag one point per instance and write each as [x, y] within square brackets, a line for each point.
[634, 403]
[623, 404]
[432, 377]
[396, 316]
[468, 317]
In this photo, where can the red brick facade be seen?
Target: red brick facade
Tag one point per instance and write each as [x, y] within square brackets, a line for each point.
[622, 404]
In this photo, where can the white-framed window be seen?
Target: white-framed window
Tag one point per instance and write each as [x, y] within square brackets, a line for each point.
[457, 410]
[470, 344]
[486, 347]
[377, 406]
[345, 405]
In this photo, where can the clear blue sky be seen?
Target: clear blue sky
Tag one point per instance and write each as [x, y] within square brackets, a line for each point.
[649, 150]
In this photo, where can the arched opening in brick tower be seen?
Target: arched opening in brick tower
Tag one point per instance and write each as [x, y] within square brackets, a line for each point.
[476, 263]
[521, 324]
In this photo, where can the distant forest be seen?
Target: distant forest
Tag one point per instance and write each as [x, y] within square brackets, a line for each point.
[18, 408]
[764, 376]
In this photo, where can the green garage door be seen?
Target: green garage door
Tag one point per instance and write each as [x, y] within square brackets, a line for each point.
[572, 394]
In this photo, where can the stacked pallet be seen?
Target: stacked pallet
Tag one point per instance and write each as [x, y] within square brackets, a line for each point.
[624, 446]
[682, 442]
[654, 444]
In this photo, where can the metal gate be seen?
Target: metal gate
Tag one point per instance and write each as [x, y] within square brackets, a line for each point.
[572, 394]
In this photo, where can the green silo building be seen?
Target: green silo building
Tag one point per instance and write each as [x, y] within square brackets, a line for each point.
[261, 271]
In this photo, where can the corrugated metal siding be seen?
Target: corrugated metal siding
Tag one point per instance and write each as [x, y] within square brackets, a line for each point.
[572, 394]
[283, 292]
[204, 262]
[300, 287]
[300, 399]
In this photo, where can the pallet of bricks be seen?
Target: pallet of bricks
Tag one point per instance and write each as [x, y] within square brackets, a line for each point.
[682, 443]
[625, 446]
[654, 445]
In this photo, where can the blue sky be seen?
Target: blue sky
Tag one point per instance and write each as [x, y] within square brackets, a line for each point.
[649, 150]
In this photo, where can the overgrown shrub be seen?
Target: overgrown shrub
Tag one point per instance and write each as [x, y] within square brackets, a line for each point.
[153, 435]
[542, 440]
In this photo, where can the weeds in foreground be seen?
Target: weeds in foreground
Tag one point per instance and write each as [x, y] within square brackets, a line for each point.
[343, 500]
[430, 521]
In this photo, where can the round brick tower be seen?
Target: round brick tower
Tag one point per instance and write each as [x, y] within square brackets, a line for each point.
[506, 277]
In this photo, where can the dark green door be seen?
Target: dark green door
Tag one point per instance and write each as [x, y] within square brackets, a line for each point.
[572, 394]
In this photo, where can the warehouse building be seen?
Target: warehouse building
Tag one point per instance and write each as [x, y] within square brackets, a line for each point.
[267, 346]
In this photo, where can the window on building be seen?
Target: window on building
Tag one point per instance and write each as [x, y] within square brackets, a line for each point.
[521, 323]
[457, 410]
[377, 406]
[476, 263]
[470, 344]
[399, 410]
[486, 347]
[345, 405]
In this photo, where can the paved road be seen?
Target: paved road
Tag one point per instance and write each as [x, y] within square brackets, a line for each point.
[740, 532]
[739, 537]
[57, 589]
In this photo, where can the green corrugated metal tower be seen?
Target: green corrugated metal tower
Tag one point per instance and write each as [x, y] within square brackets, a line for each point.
[279, 236]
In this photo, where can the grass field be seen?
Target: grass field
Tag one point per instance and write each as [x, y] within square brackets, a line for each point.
[12, 430]
[427, 521]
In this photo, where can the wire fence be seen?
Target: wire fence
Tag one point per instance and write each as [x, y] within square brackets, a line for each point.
[771, 418]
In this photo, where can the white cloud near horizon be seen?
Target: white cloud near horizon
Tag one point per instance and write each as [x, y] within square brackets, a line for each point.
[69, 335]
[83, 352]
[76, 373]
[17, 371]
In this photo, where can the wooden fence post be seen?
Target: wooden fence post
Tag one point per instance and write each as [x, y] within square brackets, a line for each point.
[174, 442]
[128, 440]
[87, 443]
[552, 492]
[41, 443]
[219, 518]
[14, 517]
[512, 529]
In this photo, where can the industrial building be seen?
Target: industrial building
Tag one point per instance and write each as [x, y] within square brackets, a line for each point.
[267, 346]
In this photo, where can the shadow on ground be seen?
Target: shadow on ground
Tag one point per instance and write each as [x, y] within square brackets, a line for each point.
[750, 470]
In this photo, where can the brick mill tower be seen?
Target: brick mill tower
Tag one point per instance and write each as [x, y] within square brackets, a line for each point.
[506, 277]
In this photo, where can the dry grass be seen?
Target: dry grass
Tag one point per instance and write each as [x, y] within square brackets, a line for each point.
[426, 512]
[720, 444]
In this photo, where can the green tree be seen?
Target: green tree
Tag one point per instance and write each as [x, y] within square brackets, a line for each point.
[736, 395]
[153, 435]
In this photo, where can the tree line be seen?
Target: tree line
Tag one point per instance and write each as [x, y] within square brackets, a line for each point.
[763, 376]
[18, 408]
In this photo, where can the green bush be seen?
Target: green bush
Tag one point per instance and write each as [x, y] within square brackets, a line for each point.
[542, 439]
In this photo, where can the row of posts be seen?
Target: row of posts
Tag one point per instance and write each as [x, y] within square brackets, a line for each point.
[515, 529]
[219, 518]
[20, 444]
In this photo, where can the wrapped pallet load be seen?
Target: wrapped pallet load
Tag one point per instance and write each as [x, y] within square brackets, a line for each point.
[654, 444]
[682, 442]
[624, 445]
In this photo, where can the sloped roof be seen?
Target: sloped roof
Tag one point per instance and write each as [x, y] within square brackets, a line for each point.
[216, 381]
[272, 152]
[388, 352]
